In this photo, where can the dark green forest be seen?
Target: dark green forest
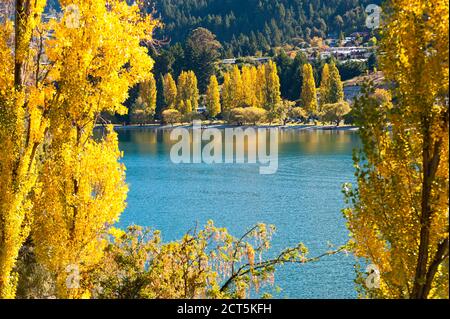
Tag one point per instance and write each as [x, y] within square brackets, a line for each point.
[245, 27]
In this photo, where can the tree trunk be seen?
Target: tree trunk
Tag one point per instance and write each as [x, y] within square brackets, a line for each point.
[430, 163]
[20, 25]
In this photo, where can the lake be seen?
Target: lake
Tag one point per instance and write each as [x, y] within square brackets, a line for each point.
[303, 200]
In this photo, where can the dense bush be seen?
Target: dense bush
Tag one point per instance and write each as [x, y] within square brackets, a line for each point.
[171, 116]
[335, 112]
[248, 115]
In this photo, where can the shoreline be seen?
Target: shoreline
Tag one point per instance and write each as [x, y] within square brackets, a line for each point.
[300, 127]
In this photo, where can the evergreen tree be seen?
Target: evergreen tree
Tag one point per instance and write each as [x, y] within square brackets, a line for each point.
[202, 51]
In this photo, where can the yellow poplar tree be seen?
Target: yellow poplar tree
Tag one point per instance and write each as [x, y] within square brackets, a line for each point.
[145, 105]
[272, 89]
[325, 84]
[237, 87]
[188, 90]
[309, 95]
[149, 93]
[398, 214]
[188, 107]
[181, 107]
[226, 93]
[248, 83]
[22, 129]
[56, 181]
[213, 97]
[170, 91]
[335, 92]
[260, 87]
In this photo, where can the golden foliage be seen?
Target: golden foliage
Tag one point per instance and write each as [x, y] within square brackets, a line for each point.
[57, 182]
[398, 215]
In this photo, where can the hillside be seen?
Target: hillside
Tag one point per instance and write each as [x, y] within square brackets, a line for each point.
[247, 26]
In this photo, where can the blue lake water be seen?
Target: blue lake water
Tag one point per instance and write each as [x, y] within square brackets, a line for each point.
[303, 200]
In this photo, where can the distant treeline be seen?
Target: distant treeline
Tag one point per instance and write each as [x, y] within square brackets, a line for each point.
[245, 27]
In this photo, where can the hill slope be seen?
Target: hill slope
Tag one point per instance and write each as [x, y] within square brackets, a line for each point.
[247, 26]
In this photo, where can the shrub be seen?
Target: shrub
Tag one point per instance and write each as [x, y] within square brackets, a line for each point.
[335, 112]
[171, 116]
[249, 115]
[192, 116]
[298, 113]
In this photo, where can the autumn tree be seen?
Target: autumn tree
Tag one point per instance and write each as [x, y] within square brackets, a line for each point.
[398, 214]
[226, 94]
[57, 182]
[272, 91]
[298, 113]
[143, 109]
[309, 95]
[247, 115]
[284, 110]
[170, 91]
[171, 116]
[335, 91]
[205, 263]
[213, 97]
[237, 87]
[249, 82]
[188, 94]
[232, 90]
[335, 112]
[324, 84]
[22, 130]
[260, 87]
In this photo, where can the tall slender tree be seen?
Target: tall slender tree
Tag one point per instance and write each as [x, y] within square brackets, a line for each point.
[170, 91]
[213, 97]
[309, 95]
[57, 182]
[260, 91]
[335, 92]
[249, 82]
[398, 214]
[272, 90]
[226, 94]
[188, 91]
[324, 84]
